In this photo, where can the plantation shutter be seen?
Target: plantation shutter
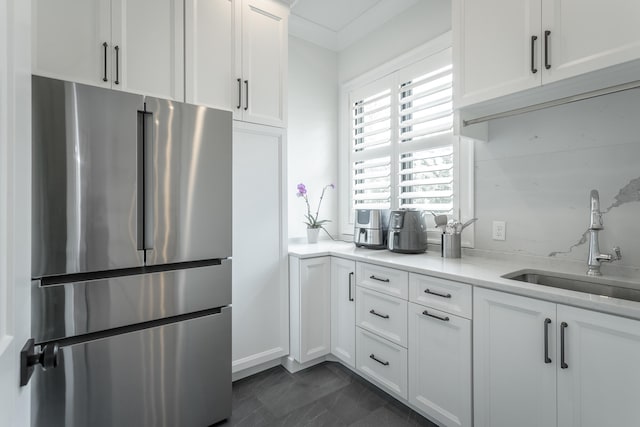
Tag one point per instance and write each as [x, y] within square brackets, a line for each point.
[401, 143]
[371, 135]
[425, 135]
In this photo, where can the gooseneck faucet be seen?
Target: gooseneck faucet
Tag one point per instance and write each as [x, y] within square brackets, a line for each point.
[595, 257]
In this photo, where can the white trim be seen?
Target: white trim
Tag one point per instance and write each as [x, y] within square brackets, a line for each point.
[419, 53]
[310, 31]
[257, 359]
[255, 369]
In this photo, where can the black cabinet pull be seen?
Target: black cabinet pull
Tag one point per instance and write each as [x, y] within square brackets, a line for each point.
[547, 322]
[104, 46]
[378, 279]
[350, 285]
[382, 362]
[375, 313]
[533, 54]
[117, 80]
[435, 316]
[438, 294]
[246, 95]
[239, 94]
[563, 326]
[547, 65]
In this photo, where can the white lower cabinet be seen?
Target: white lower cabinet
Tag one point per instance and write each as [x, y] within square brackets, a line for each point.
[343, 310]
[513, 386]
[382, 362]
[310, 307]
[542, 364]
[440, 365]
[600, 383]
[383, 315]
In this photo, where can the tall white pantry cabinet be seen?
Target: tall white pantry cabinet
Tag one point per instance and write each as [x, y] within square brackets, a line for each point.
[225, 54]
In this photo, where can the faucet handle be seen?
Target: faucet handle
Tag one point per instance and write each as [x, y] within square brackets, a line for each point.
[618, 253]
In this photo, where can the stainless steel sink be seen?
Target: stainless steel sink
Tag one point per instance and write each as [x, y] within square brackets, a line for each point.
[590, 285]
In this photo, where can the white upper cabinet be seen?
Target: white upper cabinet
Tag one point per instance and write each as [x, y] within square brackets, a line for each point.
[589, 35]
[264, 62]
[72, 40]
[236, 58]
[148, 43]
[136, 46]
[493, 48]
[211, 54]
[503, 47]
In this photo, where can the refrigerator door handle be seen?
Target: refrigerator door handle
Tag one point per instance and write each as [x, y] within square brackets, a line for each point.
[145, 217]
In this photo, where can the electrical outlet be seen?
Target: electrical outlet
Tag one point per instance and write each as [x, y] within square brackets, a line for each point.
[499, 230]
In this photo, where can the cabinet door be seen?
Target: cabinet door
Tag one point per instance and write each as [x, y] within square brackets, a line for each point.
[513, 386]
[600, 385]
[68, 38]
[260, 290]
[493, 48]
[210, 37]
[264, 62]
[315, 310]
[343, 310]
[148, 47]
[589, 35]
[440, 365]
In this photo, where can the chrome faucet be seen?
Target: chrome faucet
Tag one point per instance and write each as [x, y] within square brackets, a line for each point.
[595, 257]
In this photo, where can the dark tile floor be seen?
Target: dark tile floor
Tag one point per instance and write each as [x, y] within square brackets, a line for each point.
[324, 395]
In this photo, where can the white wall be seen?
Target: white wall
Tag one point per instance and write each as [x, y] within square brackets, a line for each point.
[312, 132]
[537, 170]
[410, 29]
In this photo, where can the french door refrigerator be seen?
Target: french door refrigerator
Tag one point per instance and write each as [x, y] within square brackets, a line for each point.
[131, 259]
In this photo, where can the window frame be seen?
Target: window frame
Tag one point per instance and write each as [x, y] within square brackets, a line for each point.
[463, 152]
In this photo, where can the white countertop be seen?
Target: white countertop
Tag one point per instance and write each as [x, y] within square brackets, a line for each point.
[484, 270]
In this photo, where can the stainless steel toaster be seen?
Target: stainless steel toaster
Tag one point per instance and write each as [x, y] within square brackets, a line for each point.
[407, 231]
[370, 229]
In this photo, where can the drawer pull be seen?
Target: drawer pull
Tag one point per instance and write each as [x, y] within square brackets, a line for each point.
[350, 285]
[435, 316]
[563, 363]
[547, 322]
[104, 78]
[547, 65]
[438, 294]
[382, 362]
[379, 279]
[533, 54]
[375, 313]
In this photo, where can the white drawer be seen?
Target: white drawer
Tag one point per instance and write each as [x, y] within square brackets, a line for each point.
[441, 294]
[382, 362]
[381, 314]
[382, 279]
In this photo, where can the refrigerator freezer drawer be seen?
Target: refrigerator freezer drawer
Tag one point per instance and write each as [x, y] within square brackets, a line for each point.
[163, 376]
[78, 308]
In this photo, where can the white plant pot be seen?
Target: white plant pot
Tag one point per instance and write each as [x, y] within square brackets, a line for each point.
[312, 235]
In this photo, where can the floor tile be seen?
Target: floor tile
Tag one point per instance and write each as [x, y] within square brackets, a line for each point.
[327, 394]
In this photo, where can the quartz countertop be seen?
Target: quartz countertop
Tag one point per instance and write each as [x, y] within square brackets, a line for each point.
[483, 269]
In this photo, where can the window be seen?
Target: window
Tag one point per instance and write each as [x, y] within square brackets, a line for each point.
[401, 148]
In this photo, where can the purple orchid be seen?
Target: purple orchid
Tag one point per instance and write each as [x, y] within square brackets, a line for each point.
[312, 219]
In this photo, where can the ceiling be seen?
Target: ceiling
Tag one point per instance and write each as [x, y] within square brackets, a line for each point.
[336, 24]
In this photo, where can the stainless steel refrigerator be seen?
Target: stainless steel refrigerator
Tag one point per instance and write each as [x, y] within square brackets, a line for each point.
[131, 261]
